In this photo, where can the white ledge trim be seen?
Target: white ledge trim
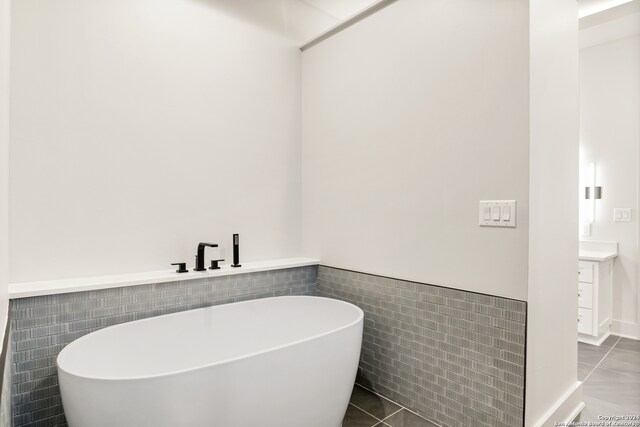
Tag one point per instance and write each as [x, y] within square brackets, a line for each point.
[51, 287]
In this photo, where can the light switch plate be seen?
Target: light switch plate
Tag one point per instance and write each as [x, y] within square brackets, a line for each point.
[622, 215]
[497, 213]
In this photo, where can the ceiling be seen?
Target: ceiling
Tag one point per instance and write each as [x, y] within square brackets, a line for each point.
[301, 21]
[340, 9]
[591, 7]
[611, 24]
[297, 20]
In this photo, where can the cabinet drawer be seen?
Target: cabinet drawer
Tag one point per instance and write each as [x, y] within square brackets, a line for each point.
[585, 321]
[585, 272]
[585, 295]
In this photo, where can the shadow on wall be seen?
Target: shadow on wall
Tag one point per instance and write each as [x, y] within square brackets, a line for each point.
[292, 19]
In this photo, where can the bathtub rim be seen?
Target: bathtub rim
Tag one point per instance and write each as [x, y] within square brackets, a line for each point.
[360, 319]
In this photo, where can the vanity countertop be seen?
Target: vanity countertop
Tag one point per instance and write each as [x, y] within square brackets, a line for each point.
[51, 287]
[596, 255]
[594, 250]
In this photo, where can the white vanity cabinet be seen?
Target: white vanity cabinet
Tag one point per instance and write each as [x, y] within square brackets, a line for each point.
[595, 282]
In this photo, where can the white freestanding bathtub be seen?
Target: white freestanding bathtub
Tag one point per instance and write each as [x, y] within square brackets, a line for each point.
[273, 362]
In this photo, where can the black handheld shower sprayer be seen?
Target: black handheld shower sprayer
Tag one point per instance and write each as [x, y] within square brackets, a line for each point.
[236, 251]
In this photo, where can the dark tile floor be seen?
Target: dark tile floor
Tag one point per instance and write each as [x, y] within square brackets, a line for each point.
[368, 409]
[611, 376]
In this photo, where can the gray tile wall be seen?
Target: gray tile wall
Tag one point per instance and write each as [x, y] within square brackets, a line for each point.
[454, 357]
[5, 392]
[42, 326]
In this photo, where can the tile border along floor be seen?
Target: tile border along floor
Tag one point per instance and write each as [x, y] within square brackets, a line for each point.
[370, 409]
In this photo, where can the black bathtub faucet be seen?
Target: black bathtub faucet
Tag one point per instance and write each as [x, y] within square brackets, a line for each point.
[200, 255]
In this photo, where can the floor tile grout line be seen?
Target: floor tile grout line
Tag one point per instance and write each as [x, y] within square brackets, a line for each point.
[416, 414]
[395, 403]
[371, 415]
[379, 395]
[603, 357]
[378, 420]
[626, 351]
[399, 410]
[601, 360]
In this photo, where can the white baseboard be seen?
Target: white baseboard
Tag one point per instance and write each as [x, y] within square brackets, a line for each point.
[566, 409]
[575, 413]
[588, 339]
[631, 337]
[625, 329]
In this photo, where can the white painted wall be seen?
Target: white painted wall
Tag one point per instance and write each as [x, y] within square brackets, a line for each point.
[5, 13]
[141, 127]
[553, 393]
[610, 137]
[407, 123]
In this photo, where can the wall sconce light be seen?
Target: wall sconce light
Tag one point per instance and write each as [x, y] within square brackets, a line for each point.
[592, 192]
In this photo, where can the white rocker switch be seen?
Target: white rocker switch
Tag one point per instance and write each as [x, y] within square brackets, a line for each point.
[496, 213]
[506, 213]
[487, 213]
